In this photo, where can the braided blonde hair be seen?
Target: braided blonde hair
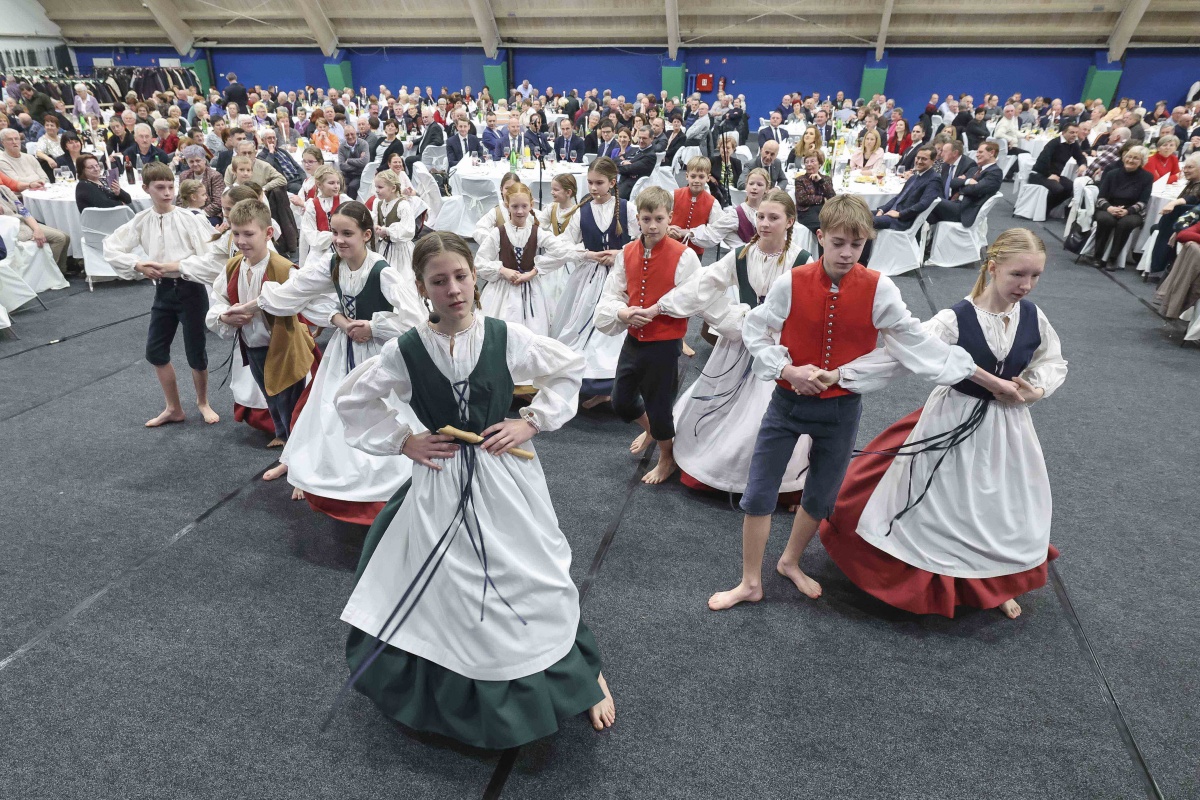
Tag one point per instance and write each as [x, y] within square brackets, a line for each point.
[789, 210]
[1013, 242]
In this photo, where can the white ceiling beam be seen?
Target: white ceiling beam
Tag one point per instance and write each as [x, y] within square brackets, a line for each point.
[673, 28]
[1131, 17]
[319, 24]
[485, 21]
[167, 16]
[881, 42]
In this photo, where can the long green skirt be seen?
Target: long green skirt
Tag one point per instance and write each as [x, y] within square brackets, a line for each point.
[495, 715]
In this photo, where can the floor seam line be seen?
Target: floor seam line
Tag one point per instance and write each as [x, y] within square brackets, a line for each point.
[71, 391]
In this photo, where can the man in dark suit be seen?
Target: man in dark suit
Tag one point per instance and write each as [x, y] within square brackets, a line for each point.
[908, 159]
[773, 132]
[972, 189]
[537, 141]
[954, 164]
[433, 135]
[1053, 116]
[493, 138]
[823, 125]
[571, 107]
[514, 141]
[230, 138]
[768, 159]
[568, 147]
[919, 192]
[636, 163]
[236, 93]
[1047, 170]
[463, 144]
[674, 140]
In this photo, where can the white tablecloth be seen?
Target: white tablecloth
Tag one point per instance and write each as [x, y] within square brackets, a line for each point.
[55, 206]
[1154, 212]
[480, 185]
[875, 196]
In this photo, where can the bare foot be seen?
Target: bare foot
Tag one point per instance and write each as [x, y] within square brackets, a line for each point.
[804, 583]
[297, 494]
[1010, 609]
[276, 442]
[738, 594]
[275, 472]
[662, 470]
[209, 415]
[641, 444]
[687, 351]
[167, 417]
[598, 400]
[604, 713]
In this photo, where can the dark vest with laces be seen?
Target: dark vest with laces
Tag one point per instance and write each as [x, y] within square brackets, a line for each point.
[971, 338]
[746, 293]
[370, 298]
[595, 239]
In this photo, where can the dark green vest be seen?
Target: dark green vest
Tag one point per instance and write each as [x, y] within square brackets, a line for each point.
[746, 293]
[369, 300]
[435, 400]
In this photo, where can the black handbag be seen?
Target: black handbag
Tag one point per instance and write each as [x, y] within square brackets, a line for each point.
[1075, 240]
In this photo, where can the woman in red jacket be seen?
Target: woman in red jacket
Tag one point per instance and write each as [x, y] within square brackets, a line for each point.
[1165, 162]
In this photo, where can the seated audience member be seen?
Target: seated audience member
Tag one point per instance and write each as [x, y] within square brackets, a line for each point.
[1137, 131]
[1165, 162]
[144, 150]
[768, 159]
[773, 132]
[569, 146]
[798, 115]
[72, 147]
[899, 139]
[972, 187]
[1181, 289]
[1189, 199]
[920, 190]
[870, 123]
[462, 145]
[1047, 170]
[726, 170]
[279, 158]
[432, 135]
[323, 137]
[31, 230]
[352, 160]
[1108, 155]
[812, 189]
[1121, 206]
[231, 137]
[1009, 129]
[18, 165]
[619, 145]
[119, 137]
[675, 138]
[214, 140]
[909, 156]
[825, 129]
[94, 190]
[535, 138]
[214, 185]
[810, 142]
[493, 138]
[869, 157]
[954, 164]
[1052, 118]
[266, 176]
[287, 136]
[49, 145]
[976, 130]
[168, 134]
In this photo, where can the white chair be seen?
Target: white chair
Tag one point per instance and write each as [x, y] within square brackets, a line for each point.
[31, 148]
[434, 157]
[1024, 167]
[588, 158]
[1143, 264]
[955, 245]
[1193, 330]
[743, 152]
[1031, 202]
[637, 188]
[14, 291]
[1089, 249]
[427, 188]
[366, 183]
[1003, 159]
[6, 323]
[663, 178]
[898, 252]
[97, 225]
[937, 121]
[682, 156]
[30, 262]
[737, 197]
[1083, 205]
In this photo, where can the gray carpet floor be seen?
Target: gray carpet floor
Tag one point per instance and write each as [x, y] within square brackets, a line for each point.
[169, 622]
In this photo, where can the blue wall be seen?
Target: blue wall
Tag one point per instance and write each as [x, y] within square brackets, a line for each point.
[1051, 72]
[1159, 74]
[765, 75]
[762, 74]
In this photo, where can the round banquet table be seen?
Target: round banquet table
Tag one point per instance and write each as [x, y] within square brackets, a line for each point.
[55, 206]
[876, 196]
[480, 184]
[1159, 198]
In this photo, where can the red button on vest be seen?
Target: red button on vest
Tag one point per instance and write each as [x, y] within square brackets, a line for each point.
[689, 212]
[827, 328]
[647, 281]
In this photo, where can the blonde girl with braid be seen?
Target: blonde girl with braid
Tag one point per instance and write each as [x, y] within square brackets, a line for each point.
[737, 223]
[553, 220]
[968, 523]
[498, 215]
[511, 261]
[717, 419]
[598, 230]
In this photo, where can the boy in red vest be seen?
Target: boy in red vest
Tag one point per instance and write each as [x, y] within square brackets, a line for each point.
[694, 208]
[647, 369]
[827, 314]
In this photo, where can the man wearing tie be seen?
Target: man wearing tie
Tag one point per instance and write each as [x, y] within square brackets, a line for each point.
[637, 163]
[972, 189]
[919, 192]
[773, 132]
[955, 165]
[908, 159]
[535, 140]
[824, 127]
[514, 141]
[464, 145]
[569, 147]
[493, 139]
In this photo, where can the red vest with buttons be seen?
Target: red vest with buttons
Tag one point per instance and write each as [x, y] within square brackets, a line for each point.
[691, 212]
[647, 280]
[826, 328]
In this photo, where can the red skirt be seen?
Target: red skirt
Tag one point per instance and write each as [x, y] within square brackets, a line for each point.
[345, 510]
[886, 577]
[260, 418]
[786, 499]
